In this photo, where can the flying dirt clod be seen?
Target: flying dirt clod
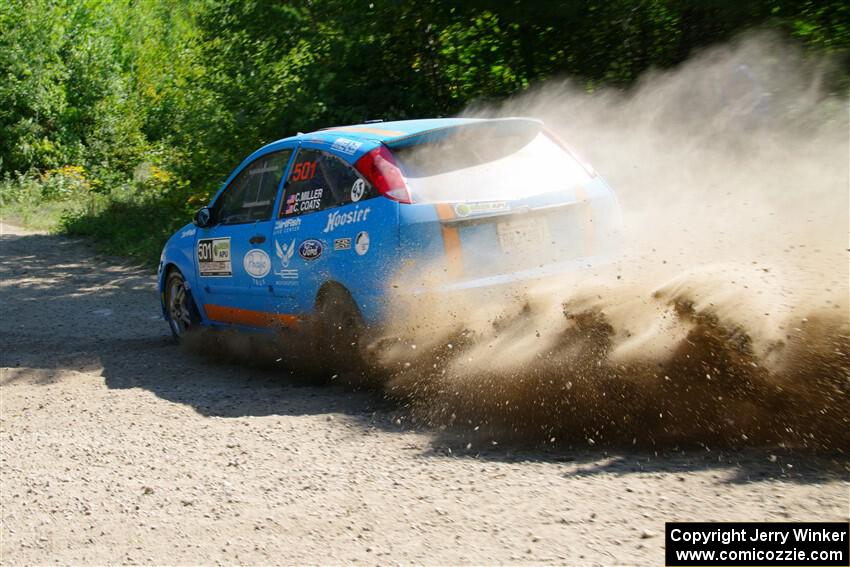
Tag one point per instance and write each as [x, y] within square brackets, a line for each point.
[725, 318]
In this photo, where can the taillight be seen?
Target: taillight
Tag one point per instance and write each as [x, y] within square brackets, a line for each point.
[379, 168]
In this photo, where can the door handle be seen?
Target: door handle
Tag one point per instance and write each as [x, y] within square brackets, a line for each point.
[257, 239]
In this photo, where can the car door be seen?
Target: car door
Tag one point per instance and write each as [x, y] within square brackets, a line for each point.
[233, 254]
[332, 226]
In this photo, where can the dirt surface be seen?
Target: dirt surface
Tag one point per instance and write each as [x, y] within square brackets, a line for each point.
[119, 447]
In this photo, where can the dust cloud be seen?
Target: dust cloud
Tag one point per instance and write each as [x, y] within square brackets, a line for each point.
[724, 319]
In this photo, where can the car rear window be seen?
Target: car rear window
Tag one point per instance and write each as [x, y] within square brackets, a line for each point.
[511, 165]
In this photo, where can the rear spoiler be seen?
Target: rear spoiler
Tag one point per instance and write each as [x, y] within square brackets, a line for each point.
[481, 129]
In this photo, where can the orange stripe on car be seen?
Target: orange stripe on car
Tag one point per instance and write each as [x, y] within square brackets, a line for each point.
[236, 316]
[451, 241]
[367, 130]
[587, 221]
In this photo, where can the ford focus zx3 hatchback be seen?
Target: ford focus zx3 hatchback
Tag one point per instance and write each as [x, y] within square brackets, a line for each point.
[319, 226]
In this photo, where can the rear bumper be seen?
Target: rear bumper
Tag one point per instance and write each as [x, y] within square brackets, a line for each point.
[521, 278]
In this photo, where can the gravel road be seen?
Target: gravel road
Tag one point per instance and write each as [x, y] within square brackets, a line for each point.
[119, 447]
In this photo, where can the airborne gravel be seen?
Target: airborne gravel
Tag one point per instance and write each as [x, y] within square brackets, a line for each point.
[119, 447]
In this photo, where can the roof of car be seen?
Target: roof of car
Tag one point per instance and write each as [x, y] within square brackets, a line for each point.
[388, 131]
[355, 140]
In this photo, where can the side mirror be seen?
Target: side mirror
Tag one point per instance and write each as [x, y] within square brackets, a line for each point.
[203, 217]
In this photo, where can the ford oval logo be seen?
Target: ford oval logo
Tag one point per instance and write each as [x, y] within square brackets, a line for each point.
[310, 249]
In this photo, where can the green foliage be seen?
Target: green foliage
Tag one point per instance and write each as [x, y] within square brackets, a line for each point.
[478, 58]
[41, 200]
[125, 115]
[135, 227]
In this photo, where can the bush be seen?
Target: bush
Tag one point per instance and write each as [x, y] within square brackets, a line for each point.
[133, 218]
[41, 200]
[124, 116]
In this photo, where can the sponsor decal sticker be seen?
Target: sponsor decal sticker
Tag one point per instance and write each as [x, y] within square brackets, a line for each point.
[287, 225]
[467, 209]
[188, 232]
[257, 263]
[304, 201]
[214, 257]
[342, 244]
[346, 146]
[361, 243]
[337, 218]
[284, 252]
[288, 275]
[310, 249]
[357, 190]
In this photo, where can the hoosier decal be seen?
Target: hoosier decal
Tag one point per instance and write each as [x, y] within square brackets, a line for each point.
[337, 219]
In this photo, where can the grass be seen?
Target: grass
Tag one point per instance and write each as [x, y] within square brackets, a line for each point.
[36, 202]
[46, 217]
[134, 229]
[125, 222]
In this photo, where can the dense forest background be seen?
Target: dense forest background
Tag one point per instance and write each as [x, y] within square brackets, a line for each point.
[120, 117]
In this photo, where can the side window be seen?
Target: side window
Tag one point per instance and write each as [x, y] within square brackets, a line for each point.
[320, 180]
[250, 196]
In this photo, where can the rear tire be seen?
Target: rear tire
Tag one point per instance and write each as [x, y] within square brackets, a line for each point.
[182, 314]
[340, 329]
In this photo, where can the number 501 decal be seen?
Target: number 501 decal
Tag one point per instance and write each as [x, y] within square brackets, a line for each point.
[214, 257]
[303, 171]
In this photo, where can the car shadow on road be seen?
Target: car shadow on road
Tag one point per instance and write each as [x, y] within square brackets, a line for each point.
[234, 388]
[742, 465]
[66, 309]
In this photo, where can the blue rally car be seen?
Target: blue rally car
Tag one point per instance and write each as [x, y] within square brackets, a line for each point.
[316, 227]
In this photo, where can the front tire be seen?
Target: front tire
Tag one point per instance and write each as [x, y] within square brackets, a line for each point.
[182, 313]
